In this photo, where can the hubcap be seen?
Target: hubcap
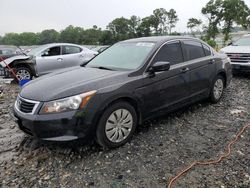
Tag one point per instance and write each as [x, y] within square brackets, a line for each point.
[23, 74]
[218, 88]
[119, 125]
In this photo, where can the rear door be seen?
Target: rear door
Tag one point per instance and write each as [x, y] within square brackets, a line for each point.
[72, 55]
[49, 60]
[202, 66]
[169, 87]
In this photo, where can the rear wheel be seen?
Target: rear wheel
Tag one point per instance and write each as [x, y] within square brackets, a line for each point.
[116, 125]
[23, 73]
[217, 89]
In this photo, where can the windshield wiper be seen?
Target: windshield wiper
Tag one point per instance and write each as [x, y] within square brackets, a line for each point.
[104, 68]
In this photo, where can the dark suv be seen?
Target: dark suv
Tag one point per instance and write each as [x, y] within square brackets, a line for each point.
[128, 83]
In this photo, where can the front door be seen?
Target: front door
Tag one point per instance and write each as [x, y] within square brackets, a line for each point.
[167, 88]
[49, 60]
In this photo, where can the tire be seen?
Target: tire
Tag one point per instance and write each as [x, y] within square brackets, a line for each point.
[23, 73]
[217, 89]
[109, 133]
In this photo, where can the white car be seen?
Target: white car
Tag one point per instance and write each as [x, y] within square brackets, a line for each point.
[48, 58]
[239, 53]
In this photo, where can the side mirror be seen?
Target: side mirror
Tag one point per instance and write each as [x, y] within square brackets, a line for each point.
[44, 54]
[230, 43]
[160, 66]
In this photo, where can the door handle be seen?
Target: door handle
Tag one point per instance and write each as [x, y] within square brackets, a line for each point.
[59, 59]
[184, 70]
[212, 61]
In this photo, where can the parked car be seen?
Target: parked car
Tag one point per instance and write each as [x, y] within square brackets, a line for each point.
[239, 53]
[6, 53]
[48, 58]
[130, 82]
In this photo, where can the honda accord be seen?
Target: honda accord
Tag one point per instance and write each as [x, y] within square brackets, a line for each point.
[130, 82]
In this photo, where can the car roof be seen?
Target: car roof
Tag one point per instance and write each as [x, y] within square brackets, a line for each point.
[159, 39]
[58, 44]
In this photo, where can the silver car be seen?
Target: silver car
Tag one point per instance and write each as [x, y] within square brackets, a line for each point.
[48, 58]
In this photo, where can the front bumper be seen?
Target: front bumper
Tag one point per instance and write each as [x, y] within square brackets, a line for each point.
[240, 67]
[55, 127]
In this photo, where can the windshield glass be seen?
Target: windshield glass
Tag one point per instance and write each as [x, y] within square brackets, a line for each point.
[123, 56]
[36, 50]
[245, 41]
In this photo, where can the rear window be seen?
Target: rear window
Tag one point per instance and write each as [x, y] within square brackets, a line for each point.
[194, 50]
[71, 50]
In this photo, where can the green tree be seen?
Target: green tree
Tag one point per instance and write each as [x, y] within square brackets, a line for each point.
[11, 39]
[172, 19]
[134, 23]
[227, 13]
[213, 12]
[119, 27]
[158, 20]
[48, 36]
[72, 34]
[234, 12]
[107, 38]
[28, 38]
[194, 24]
[144, 29]
[92, 36]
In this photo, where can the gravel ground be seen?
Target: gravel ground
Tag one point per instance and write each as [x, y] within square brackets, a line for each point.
[158, 151]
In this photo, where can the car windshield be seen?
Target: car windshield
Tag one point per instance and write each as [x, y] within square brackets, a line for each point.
[245, 41]
[36, 50]
[123, 56]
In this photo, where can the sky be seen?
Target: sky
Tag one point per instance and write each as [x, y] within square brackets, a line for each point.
[37, 15]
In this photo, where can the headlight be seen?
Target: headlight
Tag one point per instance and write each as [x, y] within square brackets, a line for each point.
[222, 52]
[67, 104]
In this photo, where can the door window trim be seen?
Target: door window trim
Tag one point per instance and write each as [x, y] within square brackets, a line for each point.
[186, 59]
[40, 55]
[167, 42]
[71, 46]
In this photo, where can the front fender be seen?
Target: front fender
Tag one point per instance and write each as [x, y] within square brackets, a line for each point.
[12, 59]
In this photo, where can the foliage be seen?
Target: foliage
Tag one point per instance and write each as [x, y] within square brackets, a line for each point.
[172, 19]
[226, 13]
[194, 23]
[48, 36]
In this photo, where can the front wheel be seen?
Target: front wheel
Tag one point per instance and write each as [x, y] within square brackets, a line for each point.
[217, 89]
[23, 73]
[116, 125]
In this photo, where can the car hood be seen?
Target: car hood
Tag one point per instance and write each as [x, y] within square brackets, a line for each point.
[236, 49]
[11, 59]
[69, 82]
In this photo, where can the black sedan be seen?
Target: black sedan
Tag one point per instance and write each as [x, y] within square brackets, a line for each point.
[130, 82]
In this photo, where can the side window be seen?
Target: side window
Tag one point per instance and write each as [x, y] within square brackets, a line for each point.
[71, 50]
[194, 50]
[171, 53]
[54, 51]
[207, 50]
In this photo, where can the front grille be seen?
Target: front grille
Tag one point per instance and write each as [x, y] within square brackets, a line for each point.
[25, 106]
[239, 57]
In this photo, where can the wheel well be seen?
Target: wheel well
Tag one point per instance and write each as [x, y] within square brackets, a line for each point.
[18, 64]
[128, 100]
[223, 74]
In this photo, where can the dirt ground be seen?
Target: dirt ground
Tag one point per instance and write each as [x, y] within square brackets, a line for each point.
[158, 151]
